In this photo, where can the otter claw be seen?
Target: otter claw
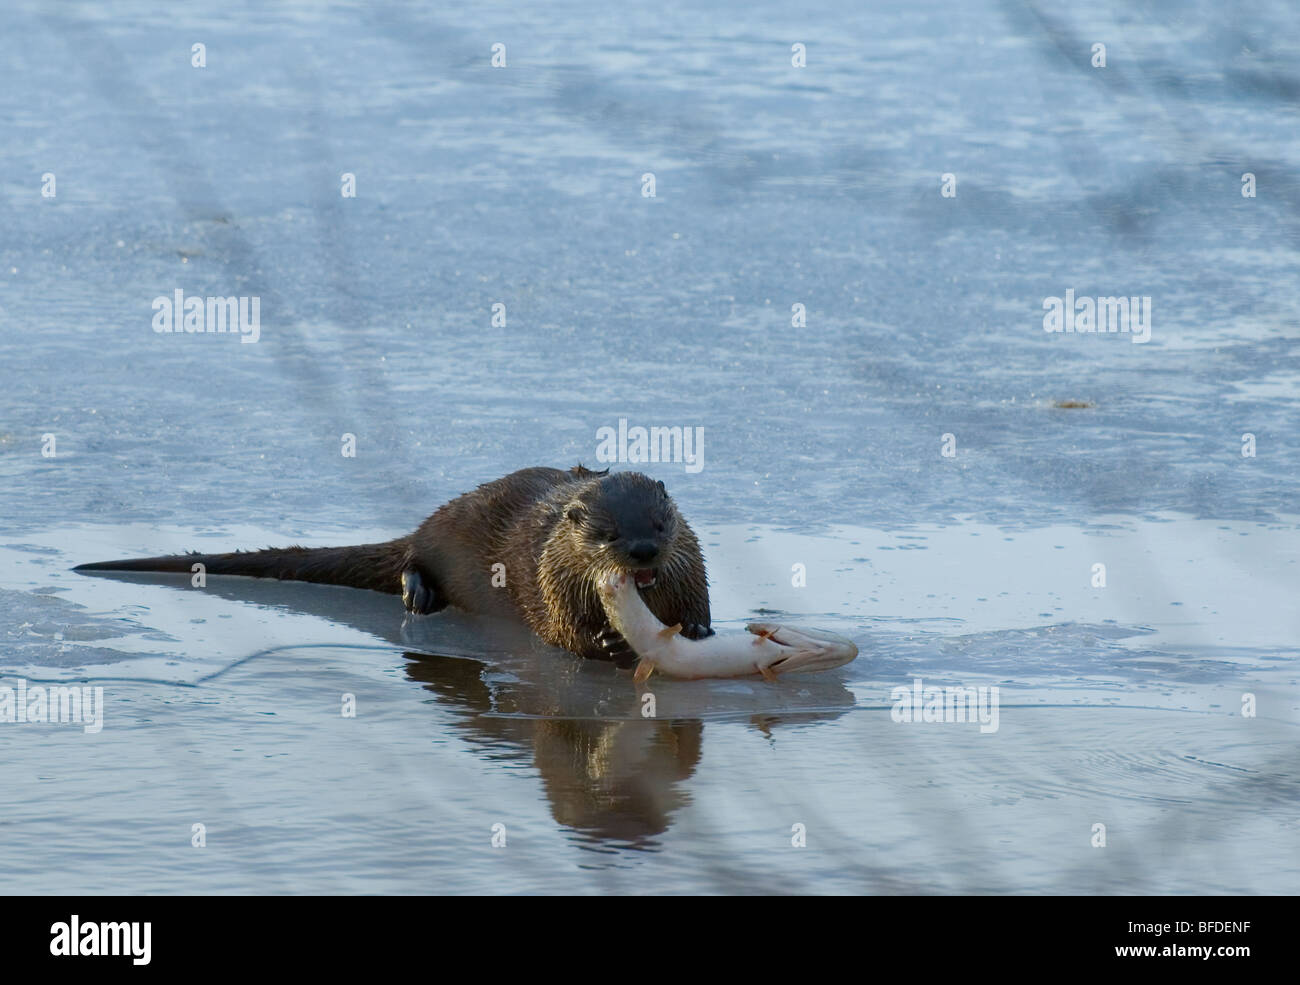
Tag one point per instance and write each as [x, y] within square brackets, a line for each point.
[418, 595]
[695, 631]
[616, 647]
[610, 638]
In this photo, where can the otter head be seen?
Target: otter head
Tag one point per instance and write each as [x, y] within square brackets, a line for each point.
[626, 523]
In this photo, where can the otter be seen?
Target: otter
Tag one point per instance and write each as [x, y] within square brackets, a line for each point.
[535, 545]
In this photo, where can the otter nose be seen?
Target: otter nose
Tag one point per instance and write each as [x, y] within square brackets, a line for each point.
[643, 551]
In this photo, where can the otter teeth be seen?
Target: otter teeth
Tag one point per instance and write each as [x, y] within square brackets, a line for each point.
[645, 578]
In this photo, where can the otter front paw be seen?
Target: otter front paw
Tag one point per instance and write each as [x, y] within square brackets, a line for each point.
[694, 631]
[419, 594]
[616, 648]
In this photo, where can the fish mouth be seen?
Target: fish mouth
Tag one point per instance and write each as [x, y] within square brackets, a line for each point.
[645, 578]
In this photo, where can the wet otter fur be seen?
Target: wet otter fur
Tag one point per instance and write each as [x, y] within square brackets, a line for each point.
[532, 545]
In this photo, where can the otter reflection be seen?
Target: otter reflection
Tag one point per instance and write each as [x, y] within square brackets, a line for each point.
[608, 773]
[614, 780]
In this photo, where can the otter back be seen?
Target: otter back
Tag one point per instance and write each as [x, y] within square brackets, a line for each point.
[531, 545]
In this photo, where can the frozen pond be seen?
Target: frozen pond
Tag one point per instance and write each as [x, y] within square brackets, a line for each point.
[1163, 704]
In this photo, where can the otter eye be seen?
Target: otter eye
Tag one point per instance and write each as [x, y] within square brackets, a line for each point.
[659, 528]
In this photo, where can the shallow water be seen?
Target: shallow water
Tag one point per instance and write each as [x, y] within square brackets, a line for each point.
[1119, 705]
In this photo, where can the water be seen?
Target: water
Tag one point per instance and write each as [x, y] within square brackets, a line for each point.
[1120, 705]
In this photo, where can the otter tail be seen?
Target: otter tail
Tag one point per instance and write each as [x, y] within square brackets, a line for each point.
[374, 566]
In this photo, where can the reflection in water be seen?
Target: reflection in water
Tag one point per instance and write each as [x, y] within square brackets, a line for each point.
[608, 773]
[616, 780]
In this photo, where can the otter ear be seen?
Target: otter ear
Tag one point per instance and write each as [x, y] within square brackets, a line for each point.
[576, 513]
[662, 487]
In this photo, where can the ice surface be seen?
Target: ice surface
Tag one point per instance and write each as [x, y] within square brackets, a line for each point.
[775, 186]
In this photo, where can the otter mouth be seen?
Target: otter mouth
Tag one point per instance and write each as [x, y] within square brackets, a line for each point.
[645, 578]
